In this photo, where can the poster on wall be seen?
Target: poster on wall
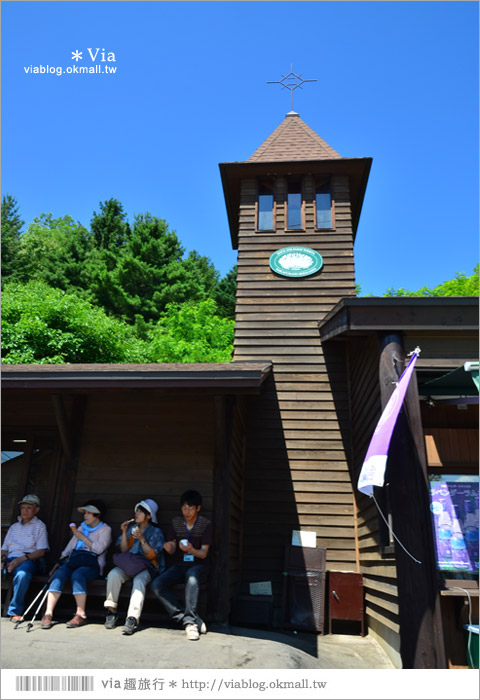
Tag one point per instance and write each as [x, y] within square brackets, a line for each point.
[454, 508]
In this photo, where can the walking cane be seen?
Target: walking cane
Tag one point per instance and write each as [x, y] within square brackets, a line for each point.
[30, 624]
[22, 619]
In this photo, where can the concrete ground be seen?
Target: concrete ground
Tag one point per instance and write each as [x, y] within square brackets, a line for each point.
[224, 646]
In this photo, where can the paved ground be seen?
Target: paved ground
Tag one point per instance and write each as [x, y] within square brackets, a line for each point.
[224, 646]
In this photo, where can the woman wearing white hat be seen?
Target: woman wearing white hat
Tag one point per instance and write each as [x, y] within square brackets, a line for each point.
[141, 559]
[84, 557]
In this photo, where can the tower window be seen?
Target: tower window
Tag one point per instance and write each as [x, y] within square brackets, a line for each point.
[265, 211]
[294, 205]
[323, 205]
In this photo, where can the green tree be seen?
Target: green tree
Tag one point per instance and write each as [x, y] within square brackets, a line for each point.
[224, 294]
[55, 251]
[460, 286]
[45, 325]
[11, 230]
[109, 227]
[192, 333]
[202, 276]
[148, 272]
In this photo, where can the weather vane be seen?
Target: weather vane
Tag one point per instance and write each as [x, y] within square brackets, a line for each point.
[291, 81]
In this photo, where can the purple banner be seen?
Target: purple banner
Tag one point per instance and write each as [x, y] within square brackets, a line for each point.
[374, 465]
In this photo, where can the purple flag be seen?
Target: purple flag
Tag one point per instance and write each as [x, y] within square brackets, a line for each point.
[374, 465]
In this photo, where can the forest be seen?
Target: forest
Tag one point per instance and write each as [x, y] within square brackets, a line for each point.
[120, 291]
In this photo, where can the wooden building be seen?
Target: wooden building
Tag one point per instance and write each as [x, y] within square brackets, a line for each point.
[275, 439]
[128, 432]
[333, 368]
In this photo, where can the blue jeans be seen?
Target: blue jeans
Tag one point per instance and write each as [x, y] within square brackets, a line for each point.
[22, 576]
[193, 576]
[88, 571]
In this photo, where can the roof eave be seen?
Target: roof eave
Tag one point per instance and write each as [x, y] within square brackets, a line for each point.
[232, 377]
[364, 315]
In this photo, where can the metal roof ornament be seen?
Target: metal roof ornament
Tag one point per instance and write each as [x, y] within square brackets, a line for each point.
[291, 82]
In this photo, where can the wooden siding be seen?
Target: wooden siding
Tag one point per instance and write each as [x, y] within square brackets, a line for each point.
[297, 445]
[452, 447]
[379, 571]
[175, 438]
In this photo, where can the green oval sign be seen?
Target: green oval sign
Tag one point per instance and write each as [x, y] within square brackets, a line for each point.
[296, 261]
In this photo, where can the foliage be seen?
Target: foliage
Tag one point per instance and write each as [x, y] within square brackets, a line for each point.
[148, 273]
[192, 333]
[54, 251]
[109, 228]
[46, 325]
[225, 294]
[11, 229]
[116, 293]
[460, 286]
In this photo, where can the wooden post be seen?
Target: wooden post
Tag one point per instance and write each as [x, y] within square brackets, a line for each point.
[218, 594]
[68, 472]
[421, 640]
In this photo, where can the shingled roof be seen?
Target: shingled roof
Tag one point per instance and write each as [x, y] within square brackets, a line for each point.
[293, 140]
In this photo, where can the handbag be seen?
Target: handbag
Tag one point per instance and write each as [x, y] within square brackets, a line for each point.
[132, 564]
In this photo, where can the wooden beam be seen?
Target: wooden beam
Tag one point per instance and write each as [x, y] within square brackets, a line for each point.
[62, 425]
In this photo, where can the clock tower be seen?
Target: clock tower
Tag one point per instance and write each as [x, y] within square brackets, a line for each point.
[293, 210]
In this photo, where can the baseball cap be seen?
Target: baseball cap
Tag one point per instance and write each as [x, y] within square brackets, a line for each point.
[31, 498]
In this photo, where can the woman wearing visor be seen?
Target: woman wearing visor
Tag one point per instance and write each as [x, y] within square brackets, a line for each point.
[82, 560]
[141, 559]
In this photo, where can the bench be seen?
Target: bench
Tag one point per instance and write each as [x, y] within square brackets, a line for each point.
[153, 609]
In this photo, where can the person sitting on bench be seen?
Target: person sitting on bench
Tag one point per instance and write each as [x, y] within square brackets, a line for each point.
[188, 542]
[141, 558]
[85, 560]
[23, 551]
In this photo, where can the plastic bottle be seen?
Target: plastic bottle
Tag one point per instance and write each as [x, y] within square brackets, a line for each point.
[460, 558]
[444, 537]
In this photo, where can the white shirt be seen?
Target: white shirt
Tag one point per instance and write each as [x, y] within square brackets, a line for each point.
[25, 538]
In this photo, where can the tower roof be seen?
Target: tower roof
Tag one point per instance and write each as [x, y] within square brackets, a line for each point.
[293, 149]
[293, 140]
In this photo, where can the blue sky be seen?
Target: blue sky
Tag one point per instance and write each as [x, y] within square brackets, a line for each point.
[396, 81]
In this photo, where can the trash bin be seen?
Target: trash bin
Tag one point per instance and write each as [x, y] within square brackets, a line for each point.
[472, 645]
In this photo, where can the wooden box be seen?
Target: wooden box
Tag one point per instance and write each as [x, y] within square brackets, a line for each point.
[345, 597]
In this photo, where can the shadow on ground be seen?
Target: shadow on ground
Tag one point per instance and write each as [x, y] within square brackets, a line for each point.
[224, 646]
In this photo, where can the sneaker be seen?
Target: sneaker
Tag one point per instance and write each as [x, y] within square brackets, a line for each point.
[201, 625]
[47, 622]
[111, 620]
[130, 626]
[192, 632]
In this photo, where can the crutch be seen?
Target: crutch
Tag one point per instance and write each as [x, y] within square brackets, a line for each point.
[22, 619]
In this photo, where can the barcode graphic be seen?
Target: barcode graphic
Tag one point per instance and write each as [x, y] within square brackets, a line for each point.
[61, 683]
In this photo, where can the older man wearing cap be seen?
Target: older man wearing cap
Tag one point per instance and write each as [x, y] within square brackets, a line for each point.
[141, 559]
[23, 550]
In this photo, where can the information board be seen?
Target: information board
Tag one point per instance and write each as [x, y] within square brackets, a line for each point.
[454, 508]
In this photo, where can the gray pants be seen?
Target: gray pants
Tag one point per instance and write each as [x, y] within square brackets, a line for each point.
[115, 579]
